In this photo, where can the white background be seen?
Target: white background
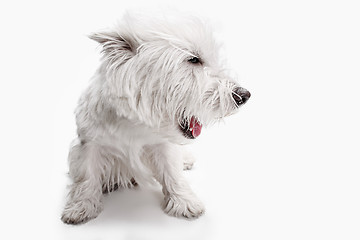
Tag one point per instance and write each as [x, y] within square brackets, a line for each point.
[285, 167]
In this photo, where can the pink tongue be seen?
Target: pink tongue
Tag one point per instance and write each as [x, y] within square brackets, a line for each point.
[196, 127]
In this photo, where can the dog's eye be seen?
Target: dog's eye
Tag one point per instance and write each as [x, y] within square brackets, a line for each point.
[194, 60]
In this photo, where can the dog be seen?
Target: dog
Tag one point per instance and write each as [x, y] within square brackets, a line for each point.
[159, 82]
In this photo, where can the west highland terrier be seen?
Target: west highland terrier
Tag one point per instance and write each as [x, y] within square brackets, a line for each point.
[159, 83]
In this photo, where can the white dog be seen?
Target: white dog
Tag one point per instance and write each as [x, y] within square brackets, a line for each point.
[158, 83]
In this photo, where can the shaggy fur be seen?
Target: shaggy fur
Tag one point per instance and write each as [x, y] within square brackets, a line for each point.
[159, 82]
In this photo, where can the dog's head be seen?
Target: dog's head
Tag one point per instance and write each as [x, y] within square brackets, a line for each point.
[167, 75]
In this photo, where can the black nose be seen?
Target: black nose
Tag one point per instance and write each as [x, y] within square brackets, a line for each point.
[240, 95]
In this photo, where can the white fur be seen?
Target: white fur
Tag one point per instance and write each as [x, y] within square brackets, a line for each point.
[129, 117]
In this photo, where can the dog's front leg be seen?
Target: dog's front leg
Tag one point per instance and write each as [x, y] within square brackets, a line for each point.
[179, 198]
[85, 194]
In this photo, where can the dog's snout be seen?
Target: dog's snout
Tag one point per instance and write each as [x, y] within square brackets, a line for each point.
[240, 95]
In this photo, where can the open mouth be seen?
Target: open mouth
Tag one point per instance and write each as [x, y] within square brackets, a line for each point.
[191, 129]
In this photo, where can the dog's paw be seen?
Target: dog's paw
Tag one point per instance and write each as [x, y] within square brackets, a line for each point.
[81, 211]
[112, 187]
[181, 207]
[188, 166]
[189, 161]
[108, 188]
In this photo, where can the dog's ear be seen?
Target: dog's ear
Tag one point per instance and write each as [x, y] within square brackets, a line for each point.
[114, 45]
